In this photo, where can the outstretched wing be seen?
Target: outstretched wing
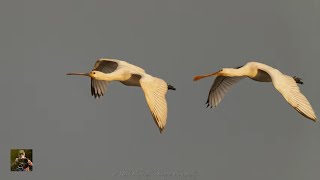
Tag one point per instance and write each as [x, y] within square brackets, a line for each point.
[221, 85]
[291, 92]
[155, 90]
[289, 89]
[99, 87]
[106, 66]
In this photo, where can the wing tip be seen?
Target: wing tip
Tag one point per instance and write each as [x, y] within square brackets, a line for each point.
[161, 130]
[314, 119]
[311, 115]
[211, 105]
[97, 96]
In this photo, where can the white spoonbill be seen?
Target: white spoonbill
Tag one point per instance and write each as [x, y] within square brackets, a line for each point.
[155, 89]
[285, 84]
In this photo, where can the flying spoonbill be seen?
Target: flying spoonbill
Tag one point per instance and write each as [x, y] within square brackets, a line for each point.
[155, 89]
[285, 84]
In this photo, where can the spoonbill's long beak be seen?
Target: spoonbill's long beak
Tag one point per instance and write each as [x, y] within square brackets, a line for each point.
[196, 78]
[79, 74]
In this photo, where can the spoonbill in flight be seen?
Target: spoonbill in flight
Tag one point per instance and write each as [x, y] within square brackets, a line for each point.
[285, 84]
[155, 89]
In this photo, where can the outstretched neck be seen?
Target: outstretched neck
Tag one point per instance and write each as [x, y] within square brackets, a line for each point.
[114, 76]
[231, 72]
[228, 72]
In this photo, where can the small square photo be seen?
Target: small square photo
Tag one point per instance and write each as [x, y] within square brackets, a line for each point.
[21, 160]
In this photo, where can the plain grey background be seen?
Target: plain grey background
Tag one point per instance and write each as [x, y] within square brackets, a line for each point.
[253, 134]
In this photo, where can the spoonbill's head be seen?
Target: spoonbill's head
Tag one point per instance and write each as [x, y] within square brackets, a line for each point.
[220, 72]
[232, 72]
[96, 75]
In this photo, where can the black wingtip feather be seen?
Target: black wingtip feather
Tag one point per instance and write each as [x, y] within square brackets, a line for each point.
[161, 130]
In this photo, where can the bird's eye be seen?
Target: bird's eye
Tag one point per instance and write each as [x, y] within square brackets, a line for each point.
[94, 72]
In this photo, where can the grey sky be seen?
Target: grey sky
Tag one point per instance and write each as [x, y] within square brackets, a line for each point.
[253, 134]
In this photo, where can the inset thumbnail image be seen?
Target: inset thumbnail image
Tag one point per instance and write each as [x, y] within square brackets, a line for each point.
[21, 160]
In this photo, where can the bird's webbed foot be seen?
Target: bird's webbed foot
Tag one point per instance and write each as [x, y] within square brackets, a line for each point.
[297, 79]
